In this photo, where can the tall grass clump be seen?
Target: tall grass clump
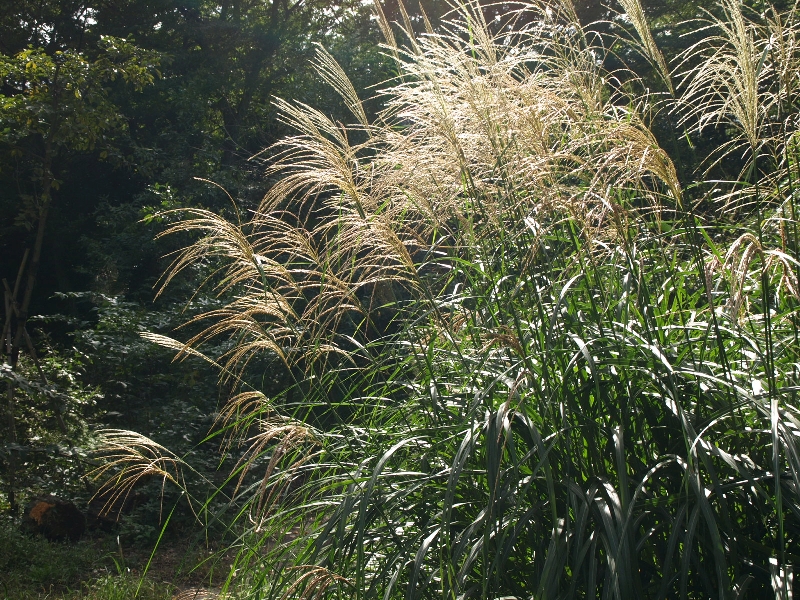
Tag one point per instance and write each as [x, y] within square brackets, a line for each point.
[528, 360]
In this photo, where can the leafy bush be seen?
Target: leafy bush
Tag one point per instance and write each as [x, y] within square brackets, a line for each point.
[49, 452]
[525, 365]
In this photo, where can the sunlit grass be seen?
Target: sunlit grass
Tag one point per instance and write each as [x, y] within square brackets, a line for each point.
[525, 365]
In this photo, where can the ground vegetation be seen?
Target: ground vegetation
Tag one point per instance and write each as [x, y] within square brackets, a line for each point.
[518, 322]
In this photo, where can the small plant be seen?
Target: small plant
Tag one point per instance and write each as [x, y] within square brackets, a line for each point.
[123, 587]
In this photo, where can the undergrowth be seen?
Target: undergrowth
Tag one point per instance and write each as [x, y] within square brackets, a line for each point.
[33, 568]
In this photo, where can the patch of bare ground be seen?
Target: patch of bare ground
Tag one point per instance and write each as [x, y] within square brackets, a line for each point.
[196, 573]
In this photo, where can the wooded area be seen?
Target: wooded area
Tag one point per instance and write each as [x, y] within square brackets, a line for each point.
[469, 300]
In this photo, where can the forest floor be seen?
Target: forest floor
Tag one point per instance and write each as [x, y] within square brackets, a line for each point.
[98, 567]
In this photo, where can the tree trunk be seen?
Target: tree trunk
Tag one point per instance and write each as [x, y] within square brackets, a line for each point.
[17, 316]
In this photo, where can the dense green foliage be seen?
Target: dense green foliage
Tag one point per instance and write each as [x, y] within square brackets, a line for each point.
[526, 365]
[109, 112]
[522, 323]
